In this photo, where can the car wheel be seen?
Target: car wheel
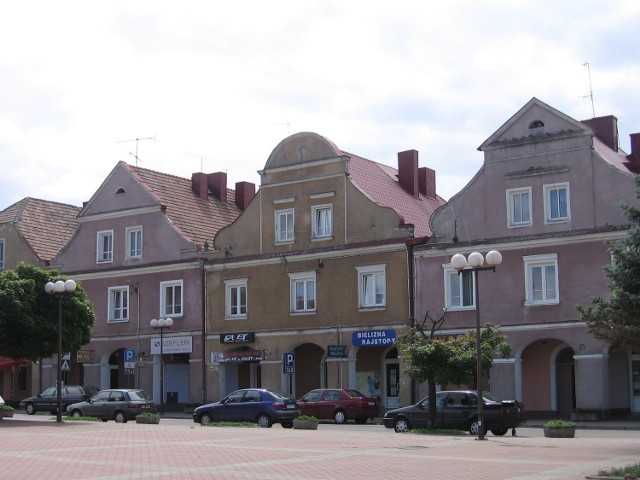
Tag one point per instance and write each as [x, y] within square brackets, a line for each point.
[287, 424]
[30, 408]
[473, 428]
[264, 420]
[401, 425]
[340, 416]
[76, 413]
[120, 417]
[361, 420]
[205, 419]
[498, 432]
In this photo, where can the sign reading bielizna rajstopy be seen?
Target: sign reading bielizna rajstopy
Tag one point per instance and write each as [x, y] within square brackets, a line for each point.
[373, 338]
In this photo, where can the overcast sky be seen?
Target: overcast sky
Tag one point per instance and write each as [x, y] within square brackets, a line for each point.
[215, 86]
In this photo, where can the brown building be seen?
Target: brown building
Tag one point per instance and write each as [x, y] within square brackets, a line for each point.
[309, 287]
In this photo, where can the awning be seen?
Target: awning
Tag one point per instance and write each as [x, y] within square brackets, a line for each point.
[6, 363]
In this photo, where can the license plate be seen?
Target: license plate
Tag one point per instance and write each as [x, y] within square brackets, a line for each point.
[291, 406]
[372, 403]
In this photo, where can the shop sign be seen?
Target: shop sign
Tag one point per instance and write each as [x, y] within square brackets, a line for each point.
[373, 338]
[235, 357]
[242, 337]
[83, 356]
[172, 345]
[336, 351]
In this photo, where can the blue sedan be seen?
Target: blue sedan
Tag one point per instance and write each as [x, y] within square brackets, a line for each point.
[264, 407]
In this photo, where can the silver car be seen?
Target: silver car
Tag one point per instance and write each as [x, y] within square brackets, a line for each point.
[119, 404]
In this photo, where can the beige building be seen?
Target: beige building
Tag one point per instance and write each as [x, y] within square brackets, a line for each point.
[309, 287]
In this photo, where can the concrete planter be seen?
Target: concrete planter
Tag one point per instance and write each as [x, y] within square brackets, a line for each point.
[562, 432]
[6, 413]
[305, 425]
[151, 419]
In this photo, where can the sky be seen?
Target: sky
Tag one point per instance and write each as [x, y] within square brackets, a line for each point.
[189, 86]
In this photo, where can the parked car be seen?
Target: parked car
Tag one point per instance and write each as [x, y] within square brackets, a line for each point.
[264, 407]
[48, 400]
[119, 404]
[339, 405]
[458, 410]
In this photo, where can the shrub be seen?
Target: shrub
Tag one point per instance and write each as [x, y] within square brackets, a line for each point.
[559, 424]
[306, 418]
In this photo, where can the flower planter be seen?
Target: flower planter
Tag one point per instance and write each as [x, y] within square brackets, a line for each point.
[150, 419]
[305, 425]
[562, 432]
[6, 413]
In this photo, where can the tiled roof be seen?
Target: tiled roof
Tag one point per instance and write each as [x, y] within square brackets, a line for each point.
[617, 159]
[380, 183]
[197, 219]
[47, 226]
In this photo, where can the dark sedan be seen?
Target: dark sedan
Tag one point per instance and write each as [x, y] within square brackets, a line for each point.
[119, 404]
[264, 407]
[339, 405]
[458, 410]
[48, 400]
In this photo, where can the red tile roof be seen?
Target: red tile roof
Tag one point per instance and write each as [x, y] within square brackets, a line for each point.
[380, 183]
[617, 159]
[197, 220]
[46, 226]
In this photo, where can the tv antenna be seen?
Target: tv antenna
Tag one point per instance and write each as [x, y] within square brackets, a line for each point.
[137, 140]
[593, 110]
[287, 124]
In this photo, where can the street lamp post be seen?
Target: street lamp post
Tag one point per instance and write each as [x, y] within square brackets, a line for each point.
[161, 324]
[475, 263]
[59, 288]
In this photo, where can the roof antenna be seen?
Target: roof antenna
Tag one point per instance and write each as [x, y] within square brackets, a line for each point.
[137, 140]
[593, 110]
[288, 125]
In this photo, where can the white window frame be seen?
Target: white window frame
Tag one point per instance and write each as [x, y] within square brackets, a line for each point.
[177, 307]
[118, 304]
[104, 255]
[134, 248]
[451, 275]
[548, 204]
[319, 231]
[541, 263]
[233, 295]
[1, 253]
[303, 279]
[512, 222]
[290, 233]
[365, 274]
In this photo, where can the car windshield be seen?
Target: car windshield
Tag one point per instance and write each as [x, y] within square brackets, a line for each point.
[138, 395]
[490, 396]
[355, 393]
[279, 394]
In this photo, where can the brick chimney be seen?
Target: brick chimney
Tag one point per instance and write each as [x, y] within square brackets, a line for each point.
[199, 185]
[245, 191]
[427, 181]
[634, 157]
[217, 183]
[408, 171]
[606, 129]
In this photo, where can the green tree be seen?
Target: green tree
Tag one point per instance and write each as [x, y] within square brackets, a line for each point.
[29, 316]
[448, 360]
[617, 320]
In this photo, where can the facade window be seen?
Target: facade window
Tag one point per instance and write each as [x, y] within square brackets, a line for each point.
[285, 226]
[134, 242]
[236, 298]
[303, 292]
[519, 207]
[1, 253]
[322, 216]
[118, 304]
[556, 203]
[541, 279]
[171, 299]
[372, 286]
[105, 246]
[459, 289]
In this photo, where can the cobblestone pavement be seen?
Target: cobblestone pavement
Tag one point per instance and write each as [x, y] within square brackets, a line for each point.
[39, 448]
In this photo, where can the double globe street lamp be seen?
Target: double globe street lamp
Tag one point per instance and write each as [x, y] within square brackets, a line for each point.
[475, 263]
[60, 288]
[161, 324]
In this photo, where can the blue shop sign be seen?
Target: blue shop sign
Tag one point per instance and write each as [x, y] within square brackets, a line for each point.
[373, 338]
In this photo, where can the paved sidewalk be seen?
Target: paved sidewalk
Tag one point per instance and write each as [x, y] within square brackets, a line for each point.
[36, 447]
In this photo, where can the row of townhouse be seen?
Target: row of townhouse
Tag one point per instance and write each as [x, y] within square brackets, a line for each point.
[309, 281]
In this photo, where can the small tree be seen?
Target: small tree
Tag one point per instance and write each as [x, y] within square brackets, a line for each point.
[441, 360]
[29, 316]
[617, 320]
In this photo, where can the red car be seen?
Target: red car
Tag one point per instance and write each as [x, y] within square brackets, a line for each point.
[339, 405]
